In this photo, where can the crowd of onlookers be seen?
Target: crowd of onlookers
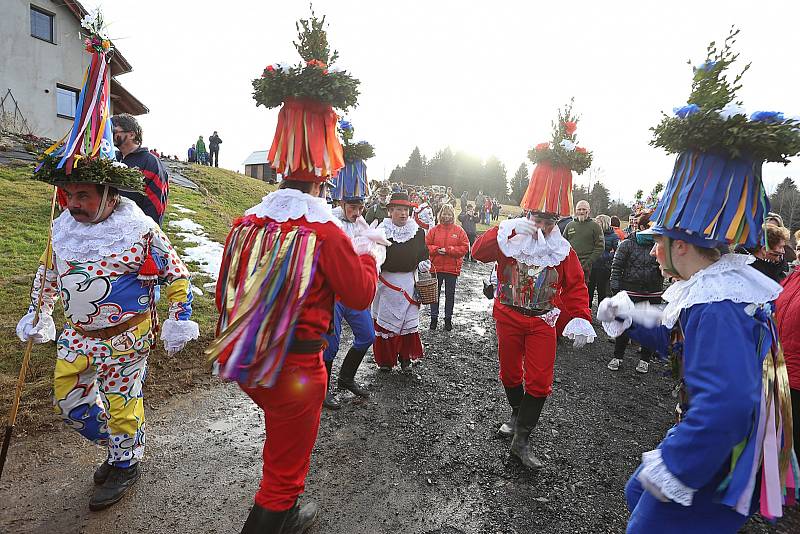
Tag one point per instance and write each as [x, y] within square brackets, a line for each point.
[198, 153]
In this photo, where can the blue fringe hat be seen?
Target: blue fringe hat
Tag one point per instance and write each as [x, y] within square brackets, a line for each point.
[351, 184]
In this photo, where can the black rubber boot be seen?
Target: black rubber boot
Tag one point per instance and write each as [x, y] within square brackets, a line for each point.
[529, 411]
[448, 324]
[434, 322]
[347, 373]
[263, 521]
[101, 473]
[514, 396]
[330, 401]
[115, 487]
[405, 366]
[301, 520]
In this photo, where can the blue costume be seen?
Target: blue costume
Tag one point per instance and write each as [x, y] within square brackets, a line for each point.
[730, 454]
[360, 322]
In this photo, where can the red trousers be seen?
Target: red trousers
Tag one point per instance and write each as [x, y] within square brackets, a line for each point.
[292, 409]
[526, 347]
[388, 346]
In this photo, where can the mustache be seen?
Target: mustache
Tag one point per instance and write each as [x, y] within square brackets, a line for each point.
[78, 212]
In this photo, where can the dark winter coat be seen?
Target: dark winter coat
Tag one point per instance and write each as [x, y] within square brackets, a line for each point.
[634, 269]
[611, 243]
[468, 223]
[214, 141]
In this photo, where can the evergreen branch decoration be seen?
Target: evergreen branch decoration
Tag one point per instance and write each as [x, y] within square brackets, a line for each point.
[714, 121]
[563, 150]
[100, 171]
[316, 80]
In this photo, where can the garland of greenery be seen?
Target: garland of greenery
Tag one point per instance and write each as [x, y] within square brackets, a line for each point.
[563, 150]
[101, 171]
[361, 150]
[316, 80]
[712, 121]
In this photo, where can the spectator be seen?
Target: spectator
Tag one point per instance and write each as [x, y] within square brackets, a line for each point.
[128, 140]
[563, 222]
[213, 143]
[202, 155]
[495, 210]
[468, 220]
[586, 237]
[787, 319]
[797, 248]
[378, 211]
[192, 155]
[789, 253]
[636, 272]
[447, 246]
[601, 269]
[615, 225]
[479, 201]
[464, 202]
[487, 211]
[770, 258]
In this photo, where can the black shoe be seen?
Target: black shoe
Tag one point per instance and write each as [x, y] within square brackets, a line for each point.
[529, 411]
[115, 487]
[330, 401]
[300, 520]
[405, 366]
[101, 473]
[448, 324]
[347, 372]
[263, 521]
[514, 396]
[434, 322]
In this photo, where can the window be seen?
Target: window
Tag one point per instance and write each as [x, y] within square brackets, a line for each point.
[66, 101]
[42, 24]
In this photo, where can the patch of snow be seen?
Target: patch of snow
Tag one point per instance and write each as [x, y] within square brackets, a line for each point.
[197, 291]
[188, 225]
[181, 209]
[206, 253]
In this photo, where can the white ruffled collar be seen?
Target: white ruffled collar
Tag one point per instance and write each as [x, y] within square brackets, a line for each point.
[729, 278]
[76, 241]
[542, 252]
[399, 234]
[290, 204]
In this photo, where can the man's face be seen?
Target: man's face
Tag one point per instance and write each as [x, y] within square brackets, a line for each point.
[352, 211]
[83, 202]
[582, 211]
[121, 137]
[544, 224]
[399, 215]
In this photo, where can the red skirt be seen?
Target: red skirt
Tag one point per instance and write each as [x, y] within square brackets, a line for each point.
[389, 346]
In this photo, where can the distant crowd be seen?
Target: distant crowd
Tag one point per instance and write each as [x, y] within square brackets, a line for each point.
[199, 154]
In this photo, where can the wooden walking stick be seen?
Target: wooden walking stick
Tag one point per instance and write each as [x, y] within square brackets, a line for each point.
[12, 415]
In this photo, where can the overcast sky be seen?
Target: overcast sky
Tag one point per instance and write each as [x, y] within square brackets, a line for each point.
[484, 77]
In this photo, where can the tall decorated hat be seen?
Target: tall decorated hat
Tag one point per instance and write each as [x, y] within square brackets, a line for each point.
[352, 184]
[305, 146]
[86, 153]
[715, 195]
[550, 189]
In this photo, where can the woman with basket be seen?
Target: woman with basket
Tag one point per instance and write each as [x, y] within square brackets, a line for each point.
[447, 246]
[396, 306]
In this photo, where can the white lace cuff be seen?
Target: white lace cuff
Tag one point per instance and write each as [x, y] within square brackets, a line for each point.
[175, 332]
[580, 327]
[655, 473]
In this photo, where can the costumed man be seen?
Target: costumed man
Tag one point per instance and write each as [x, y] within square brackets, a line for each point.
[395, 309]
[351, 187]
[284, 264]
[731, 451]
[539, 276]
[106, 259]
[423, 214]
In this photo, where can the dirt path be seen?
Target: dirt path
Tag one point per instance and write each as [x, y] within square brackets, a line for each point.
[419, 457]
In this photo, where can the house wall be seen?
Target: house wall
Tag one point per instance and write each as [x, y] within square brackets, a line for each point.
[32, 68]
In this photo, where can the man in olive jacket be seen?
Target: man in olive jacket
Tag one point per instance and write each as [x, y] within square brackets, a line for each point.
[585, 236]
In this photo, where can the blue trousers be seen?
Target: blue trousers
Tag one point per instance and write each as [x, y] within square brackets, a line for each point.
[360, 323]
[704, 516]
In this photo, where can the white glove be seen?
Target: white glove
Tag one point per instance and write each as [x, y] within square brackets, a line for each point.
[42, 332]
[175, 334]
[525, 226]
[425, 266]
[620, 306]
[374, 234]
[379, 253]
[362, 245]
[580, 341]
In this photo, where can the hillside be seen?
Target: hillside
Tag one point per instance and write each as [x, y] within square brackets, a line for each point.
[24, 211]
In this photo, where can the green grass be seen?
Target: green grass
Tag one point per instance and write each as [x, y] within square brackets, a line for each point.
[24, 214]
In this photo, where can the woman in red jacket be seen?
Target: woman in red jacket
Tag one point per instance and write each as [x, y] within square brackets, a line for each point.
[787, 319]
[447, 246]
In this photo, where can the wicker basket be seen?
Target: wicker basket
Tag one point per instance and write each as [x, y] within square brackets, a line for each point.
[427, 288]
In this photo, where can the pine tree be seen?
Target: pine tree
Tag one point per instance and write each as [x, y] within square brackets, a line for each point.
[519, 183]
[414, 168]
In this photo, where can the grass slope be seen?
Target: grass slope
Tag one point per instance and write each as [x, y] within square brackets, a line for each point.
[24, 212]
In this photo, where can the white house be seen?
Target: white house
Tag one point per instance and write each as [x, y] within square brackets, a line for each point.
[42, 65]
